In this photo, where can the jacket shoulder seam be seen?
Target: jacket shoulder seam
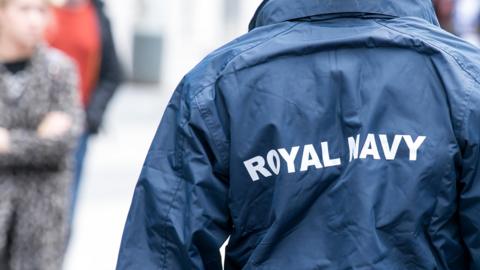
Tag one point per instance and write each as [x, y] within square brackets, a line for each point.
[465, 103]
[220, 73]
[206, 114]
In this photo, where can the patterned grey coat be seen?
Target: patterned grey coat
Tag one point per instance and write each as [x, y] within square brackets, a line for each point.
[35, 175]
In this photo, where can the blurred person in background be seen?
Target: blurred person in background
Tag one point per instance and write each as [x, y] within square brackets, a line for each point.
[40, 121]
[444, 10]
[334, 135]
[81, 29]
[460, 17]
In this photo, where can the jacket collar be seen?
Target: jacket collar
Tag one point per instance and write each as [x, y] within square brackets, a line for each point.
[275, 11]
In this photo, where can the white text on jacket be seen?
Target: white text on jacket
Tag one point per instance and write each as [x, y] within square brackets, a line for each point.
[272, 163]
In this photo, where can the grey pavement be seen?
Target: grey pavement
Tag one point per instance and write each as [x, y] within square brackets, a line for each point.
[113, 164]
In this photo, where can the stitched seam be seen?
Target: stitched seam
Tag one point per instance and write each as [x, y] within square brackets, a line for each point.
[179, 165]
[222, 70]
[467, 100]
[165, 222]
[205, 114]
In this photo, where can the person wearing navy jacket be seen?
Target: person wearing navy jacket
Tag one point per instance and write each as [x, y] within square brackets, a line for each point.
[333, 135]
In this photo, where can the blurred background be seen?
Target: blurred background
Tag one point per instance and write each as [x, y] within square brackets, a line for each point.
[158, 42]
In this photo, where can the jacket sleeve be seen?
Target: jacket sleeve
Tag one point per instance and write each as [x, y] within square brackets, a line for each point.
[179, 216]
[27, 149]
[110, 77]
[469, 185]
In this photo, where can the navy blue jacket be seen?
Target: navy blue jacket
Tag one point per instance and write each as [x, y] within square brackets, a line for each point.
[334, 135]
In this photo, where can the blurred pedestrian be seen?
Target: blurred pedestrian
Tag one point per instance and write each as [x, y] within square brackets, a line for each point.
[40, 120]
[82, 30]
[336, 134]
[444, 10]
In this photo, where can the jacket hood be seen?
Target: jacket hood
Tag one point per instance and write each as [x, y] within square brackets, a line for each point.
[275, 11]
